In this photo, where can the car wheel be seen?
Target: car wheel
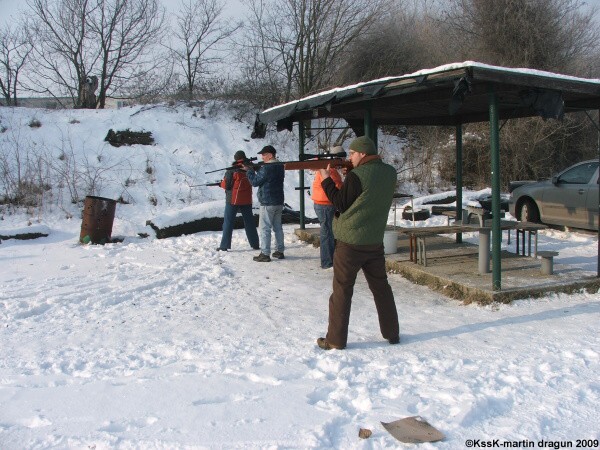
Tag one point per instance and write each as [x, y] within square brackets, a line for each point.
[529, 212]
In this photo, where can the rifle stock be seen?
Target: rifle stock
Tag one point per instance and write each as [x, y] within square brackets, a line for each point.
[315, 164]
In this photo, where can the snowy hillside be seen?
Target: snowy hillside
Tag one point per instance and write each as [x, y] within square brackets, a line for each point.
[148, 180]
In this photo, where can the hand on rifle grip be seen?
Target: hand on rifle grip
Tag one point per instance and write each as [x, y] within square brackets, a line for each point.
[325, 172]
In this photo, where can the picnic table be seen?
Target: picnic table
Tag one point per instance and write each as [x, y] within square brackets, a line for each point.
[418, 239]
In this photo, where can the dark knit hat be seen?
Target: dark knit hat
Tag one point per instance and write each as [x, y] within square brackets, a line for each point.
[363, 145]
[239, 155]
[268, 149]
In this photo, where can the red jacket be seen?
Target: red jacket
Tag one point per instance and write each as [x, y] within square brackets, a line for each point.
[237, 187]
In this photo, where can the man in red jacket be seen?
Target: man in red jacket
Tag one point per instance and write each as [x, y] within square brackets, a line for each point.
[238, 194]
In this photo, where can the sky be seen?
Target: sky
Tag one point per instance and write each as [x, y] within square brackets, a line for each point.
[169, 344]
[233, 8]
[8, 8]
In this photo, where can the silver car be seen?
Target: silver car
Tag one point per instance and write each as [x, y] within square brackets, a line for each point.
[568, 199]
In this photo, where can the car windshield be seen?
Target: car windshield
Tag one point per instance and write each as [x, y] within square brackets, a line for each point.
[581, 174]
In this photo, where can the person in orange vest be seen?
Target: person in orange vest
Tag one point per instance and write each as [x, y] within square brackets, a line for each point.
[238, 198]
[325, 212]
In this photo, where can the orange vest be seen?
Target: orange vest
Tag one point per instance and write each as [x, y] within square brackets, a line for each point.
[318, 194]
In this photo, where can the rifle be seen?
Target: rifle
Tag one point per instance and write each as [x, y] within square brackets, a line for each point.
[315, 164]
[236, 164]
[216, 183]
[306, 156]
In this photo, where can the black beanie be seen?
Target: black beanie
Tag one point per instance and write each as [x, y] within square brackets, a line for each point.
[239, 155]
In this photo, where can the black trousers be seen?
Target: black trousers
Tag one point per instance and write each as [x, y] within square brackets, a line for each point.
[347, 261]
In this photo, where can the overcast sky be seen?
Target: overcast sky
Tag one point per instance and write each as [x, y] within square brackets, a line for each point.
[9, 8]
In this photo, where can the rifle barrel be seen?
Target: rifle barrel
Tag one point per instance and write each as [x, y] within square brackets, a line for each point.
[216, 183]
[234, 165]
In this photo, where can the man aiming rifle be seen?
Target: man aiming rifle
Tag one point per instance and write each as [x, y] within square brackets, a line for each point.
[238, 195]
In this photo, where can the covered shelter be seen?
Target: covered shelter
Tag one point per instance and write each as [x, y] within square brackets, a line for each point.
[449, 95]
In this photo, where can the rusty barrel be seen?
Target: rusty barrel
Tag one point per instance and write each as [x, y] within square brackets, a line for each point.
[97, 220]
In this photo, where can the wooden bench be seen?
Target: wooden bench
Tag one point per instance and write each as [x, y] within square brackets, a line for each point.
[418, 235]
[523, 230]
[450, 215]
[481, 213]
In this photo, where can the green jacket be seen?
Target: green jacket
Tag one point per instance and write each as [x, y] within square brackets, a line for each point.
[365, 219]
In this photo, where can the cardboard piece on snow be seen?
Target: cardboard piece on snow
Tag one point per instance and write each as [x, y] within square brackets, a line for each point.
[414, 430]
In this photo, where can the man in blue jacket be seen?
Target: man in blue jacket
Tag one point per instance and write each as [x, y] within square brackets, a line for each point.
[269, 180]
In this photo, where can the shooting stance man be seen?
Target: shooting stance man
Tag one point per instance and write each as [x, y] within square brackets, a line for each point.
[238, 198]
[269, 180]
[362, 204]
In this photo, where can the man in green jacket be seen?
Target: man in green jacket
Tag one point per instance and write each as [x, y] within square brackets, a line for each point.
[362, 205]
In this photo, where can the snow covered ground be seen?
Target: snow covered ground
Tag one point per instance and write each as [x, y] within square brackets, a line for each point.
[169, 344]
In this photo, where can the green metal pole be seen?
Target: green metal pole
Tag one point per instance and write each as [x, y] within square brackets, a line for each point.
[369, 127]
[459, 178]
[495, 156]
[301, 172]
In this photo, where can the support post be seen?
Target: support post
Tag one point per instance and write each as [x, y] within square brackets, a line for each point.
[495, 163]
[370, 128]
[459, 179]
[301, 173]
[484, 251]
[597, 125]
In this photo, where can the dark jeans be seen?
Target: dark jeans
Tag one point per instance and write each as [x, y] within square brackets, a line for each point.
[325, 215]
[229, 217]
[347, 261]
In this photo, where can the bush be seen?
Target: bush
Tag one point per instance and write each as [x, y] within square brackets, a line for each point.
[128, 137]
[35, 123]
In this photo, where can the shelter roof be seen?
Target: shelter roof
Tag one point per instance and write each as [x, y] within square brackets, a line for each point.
[447, 95]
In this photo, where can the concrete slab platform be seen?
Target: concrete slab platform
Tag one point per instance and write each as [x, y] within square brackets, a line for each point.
[453, 270]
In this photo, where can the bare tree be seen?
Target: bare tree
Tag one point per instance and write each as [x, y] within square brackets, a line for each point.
[64, 51]
[300, 43]
[76, 39]
[199, 33]
[554, 35]
[391, 47]
[127, 32]
[15, 49]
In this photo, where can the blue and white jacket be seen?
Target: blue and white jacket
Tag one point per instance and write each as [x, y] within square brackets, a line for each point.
[269, 180]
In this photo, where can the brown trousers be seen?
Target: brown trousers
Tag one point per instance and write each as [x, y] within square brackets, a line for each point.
[347, 261]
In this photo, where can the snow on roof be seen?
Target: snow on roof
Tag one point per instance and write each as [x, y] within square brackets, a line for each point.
[442, 68]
